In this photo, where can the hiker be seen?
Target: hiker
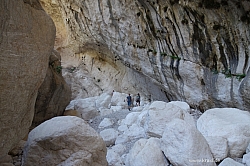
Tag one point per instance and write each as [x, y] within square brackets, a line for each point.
[137, 99]
[129, 100]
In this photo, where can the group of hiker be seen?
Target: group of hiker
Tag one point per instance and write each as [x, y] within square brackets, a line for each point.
[137, 100]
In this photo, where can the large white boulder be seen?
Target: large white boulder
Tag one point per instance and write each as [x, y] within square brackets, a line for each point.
[159, 113]
[131, 133]
[246, 159]
[131, 119]
[183, 144]
[105, 123]
[182, 105]
[146, 152]
[230, 123]
[105, 111]
[66, 140]
[86, 107]
[114, 158]
[109, 136]
[114, 155]
[119, 99]
[218, 147]
[103, 100]
[230, 162]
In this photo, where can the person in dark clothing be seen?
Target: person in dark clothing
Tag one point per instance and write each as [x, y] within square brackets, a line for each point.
[129, 100]
[138, 99]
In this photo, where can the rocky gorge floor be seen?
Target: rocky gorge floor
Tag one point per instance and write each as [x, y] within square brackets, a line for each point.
[130, 136]
[120, 115]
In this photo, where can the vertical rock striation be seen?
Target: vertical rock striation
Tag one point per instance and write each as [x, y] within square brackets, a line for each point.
[26, 40]
[195, 51]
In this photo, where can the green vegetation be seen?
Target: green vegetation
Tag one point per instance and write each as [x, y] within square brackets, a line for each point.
[214, 71]
[58, 69]
[163, 54]
[153, 51]
[240, 76]
[228, 74]
[175, 57]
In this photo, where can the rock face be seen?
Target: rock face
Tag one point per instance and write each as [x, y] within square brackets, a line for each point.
[194, 51]
[141, 153]
[159, 113]
[229, 123]
[53, 95]
[27, 37]
[230, 162]
[183, 144]
[64, 141]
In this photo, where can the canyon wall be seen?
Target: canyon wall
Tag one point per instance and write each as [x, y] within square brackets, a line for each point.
[195, 51]
[27, 37]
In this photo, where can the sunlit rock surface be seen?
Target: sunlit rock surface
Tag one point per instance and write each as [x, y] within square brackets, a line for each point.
[173, 50]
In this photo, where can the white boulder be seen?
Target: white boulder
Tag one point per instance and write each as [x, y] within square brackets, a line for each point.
[114, 155]
[66, 140]
[183, 144]
[103, 100]
[105, 111]
[122, 128]
[246, 159]
[183, 105]
[230, 162]
[218, 147]
[159, 113]
[109, 136]
[106, 122]
[119, 148]
[131, 118]
[146, 152]
[86, 107]
[114, 158]
[119, 99]
[248, 148]
[230, 123]
[132, 133]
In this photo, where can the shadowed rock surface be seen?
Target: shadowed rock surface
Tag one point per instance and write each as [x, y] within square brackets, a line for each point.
[53, 95]
[27, 37]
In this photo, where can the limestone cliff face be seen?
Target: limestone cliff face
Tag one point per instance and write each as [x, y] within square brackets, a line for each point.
[26, 40]
[196, 51]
